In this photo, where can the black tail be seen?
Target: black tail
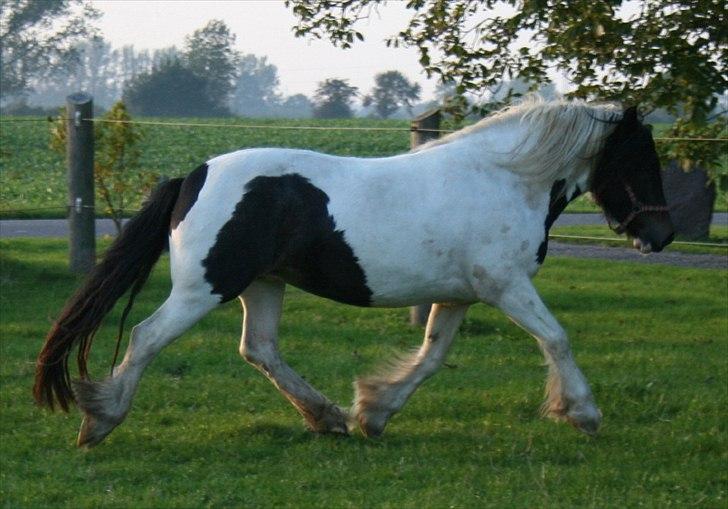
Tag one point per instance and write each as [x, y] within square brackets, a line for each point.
[126, 264]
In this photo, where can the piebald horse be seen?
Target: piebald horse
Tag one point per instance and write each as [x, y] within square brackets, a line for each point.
[463, 219]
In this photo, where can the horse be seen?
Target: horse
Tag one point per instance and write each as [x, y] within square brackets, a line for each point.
[460, 220]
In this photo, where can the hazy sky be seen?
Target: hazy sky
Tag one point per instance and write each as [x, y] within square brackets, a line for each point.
[263, 27]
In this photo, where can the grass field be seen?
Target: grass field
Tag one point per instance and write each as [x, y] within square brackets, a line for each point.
[207, 430]
[33, 178]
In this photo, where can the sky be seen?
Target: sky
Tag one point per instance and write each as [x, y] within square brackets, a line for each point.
[263, 27]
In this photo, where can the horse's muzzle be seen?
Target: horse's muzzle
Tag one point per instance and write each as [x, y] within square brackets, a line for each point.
[653, 243]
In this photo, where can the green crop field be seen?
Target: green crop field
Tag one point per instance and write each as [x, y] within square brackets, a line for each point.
[207, 430]
[33, 178]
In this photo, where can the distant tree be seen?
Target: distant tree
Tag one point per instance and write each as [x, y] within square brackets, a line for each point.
[333, 99]
[94, 71]
[171, 90]
[296, 106]
[256, 88]
[38, 36]
[392, 91]
[209, 53]
[99, 70]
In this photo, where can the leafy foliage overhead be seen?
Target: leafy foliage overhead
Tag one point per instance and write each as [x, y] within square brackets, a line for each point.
[665, 54]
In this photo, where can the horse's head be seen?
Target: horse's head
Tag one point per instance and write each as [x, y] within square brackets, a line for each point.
[627, 184]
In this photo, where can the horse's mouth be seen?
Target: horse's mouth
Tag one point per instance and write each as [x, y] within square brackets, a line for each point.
[644, 247]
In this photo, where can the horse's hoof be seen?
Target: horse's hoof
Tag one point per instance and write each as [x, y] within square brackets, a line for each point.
[333, 420]
[585, 421]
[370, 430]
[371, 407]
[372, 424]
[93, 431]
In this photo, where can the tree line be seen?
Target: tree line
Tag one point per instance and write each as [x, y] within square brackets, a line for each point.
[665, 54]
[206, 77]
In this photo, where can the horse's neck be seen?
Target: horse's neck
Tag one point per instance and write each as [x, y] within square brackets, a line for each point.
[565, 187]
[495, 146]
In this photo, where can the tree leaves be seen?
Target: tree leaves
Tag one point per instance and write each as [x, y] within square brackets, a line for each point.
[667, 54]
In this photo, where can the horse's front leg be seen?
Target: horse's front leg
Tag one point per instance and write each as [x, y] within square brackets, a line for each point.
[379, 397]
[263, 303]
[568, 395]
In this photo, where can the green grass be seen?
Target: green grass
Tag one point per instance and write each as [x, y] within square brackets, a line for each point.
[208, 430]
[718, 235]
[33, 178]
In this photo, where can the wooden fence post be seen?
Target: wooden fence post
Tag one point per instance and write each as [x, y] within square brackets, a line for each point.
[80, 156]
[424, 128]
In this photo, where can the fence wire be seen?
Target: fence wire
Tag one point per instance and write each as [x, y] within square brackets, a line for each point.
[611, 239]
[287, 127]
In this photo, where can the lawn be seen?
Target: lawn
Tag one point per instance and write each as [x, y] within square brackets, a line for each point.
[207, 430]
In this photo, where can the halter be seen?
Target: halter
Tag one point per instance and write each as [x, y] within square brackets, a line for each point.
[637, 208]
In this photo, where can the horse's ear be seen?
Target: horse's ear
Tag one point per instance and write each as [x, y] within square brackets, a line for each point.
[630, 116]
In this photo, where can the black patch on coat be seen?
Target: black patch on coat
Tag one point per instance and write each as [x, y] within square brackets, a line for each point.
[282, 227]
[188, 194]
[557, 203]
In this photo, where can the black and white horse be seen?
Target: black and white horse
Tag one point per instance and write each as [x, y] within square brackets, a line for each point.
[461, 220]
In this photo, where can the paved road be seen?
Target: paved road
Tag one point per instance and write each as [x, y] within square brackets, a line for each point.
[47, 227]
[59, 228]
[719, 218]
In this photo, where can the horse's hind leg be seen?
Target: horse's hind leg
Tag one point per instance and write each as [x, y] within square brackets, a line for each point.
[105, 403]
[379, 397]
[263, 303]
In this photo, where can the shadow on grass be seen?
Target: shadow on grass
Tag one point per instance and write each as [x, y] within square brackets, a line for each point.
[21, 273]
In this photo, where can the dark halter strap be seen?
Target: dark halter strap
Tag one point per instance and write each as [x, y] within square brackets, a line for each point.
[637, 208]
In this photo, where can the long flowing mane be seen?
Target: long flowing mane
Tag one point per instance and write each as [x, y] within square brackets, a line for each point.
[557, 133]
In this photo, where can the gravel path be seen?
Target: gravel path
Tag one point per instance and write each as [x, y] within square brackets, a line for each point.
[59, 228]
[695, 261]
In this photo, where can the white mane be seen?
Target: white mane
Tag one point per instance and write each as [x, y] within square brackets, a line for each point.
[558, 133]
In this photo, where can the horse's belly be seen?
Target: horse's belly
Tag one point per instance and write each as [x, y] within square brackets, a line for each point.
[410, 280]
[334, 271]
